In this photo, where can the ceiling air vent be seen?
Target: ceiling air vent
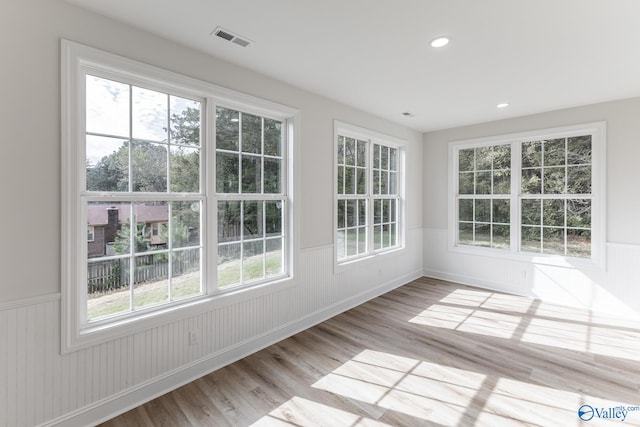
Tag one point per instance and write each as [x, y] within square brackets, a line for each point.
[231, 37]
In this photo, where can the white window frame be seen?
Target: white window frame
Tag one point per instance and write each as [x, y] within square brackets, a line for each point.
[597, 130]
[77, 333]
[371, 138]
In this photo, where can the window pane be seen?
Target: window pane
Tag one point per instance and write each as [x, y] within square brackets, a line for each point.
[185, 270]
[579, 179]
[185, 169]
[531, 212]
[151, 279]
[342, 213]
[251, 174]
[352, 213]
[340, 145]
[107, 287]
[483, 235]
[377, 237]
[579, 150]
[341, 244]
[553, 213]
[352, 242]
[502, 182]
[532, 154]
[340, 179]
[466, 160]
[531, 181]
[465, 183]
[229, 264]
[229, 220]
[483, 210]
[361, 179]
[553, 241]
[501, 236]
[501, 157]
[554, 180]
[465, 210]
[107, 107]
[350, 152]
[273, 219]
[386, 236]
[579, 213]
[251, 133]
[530, 239]
[227, 129]
[393, 183]
[501, 211]
[107, 164]
[185, 224]
[362, 240]
[253, 222]
[483, 182]
[484, 157]
[149, 167]
[384, 157]
[253, 261]
[149, 114]
[384, 182]
[376, 156]
[146, 215]
[386, 216]
[349, 180]
[362, 212]
[272, 175]
[579, 243]
[275, 266]
[227, 173]
[377, 211]
[361, 153]
[272, 137]
[393, 159]
[185, 121]
[376, 182]
[393, 209]
[465, 233]
[554, 152]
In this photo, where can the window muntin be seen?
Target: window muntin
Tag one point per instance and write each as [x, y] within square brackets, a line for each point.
[368, 201]
[150, 125]
[484, 187]
[250, 178]
[556, 196]
[552, 204]
[141, 141]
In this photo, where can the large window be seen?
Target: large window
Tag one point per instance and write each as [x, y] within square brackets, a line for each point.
[535, 193]
[153, 163]
[368, 192]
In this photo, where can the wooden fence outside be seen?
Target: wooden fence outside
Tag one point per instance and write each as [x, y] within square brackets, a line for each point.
[108, 276]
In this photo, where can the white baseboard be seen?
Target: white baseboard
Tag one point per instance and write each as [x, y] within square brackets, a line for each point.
[121, 402]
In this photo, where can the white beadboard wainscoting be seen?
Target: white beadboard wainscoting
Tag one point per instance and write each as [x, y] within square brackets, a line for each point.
[612, 289]
[39, 386]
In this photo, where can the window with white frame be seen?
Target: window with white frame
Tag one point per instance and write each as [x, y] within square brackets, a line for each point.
[368, 192]
[138, 143]
[536, 193]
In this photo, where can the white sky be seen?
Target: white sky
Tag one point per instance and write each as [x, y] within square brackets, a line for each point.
[108, 113]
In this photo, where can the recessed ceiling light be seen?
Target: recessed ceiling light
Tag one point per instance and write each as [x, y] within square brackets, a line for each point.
[438, 42]
[502, 105]
[407, 114]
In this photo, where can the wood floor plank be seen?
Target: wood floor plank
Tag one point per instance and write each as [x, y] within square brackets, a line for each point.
[429, 353]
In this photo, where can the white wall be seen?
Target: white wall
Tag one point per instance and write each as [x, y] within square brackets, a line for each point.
[43, 386]
[612, 290]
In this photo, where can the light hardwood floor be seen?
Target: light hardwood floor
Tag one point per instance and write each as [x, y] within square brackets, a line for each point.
[428, 353]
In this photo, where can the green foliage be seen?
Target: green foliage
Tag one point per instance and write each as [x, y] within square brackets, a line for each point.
[142, 236]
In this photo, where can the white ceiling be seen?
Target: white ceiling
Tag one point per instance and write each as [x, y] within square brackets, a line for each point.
[537, 55]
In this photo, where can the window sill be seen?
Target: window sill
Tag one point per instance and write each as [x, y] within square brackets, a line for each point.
[366, 260]
[116, 328]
